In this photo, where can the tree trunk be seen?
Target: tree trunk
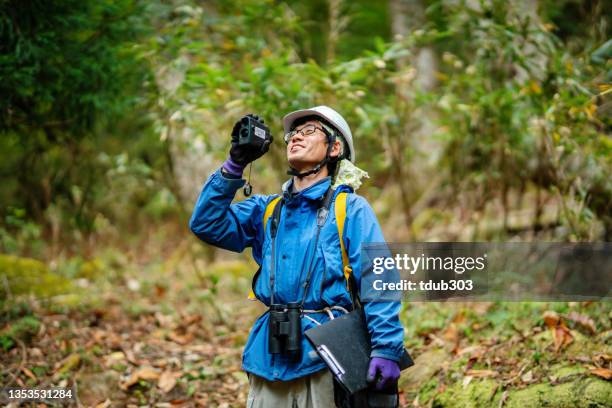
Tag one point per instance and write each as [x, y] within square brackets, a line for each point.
[414, 130]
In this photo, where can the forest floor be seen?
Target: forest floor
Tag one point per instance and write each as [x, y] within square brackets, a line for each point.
[161, 328]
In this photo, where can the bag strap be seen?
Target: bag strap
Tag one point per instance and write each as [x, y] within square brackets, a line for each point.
[269, 210]
[266, 217]
[351, 285]
[340, 210]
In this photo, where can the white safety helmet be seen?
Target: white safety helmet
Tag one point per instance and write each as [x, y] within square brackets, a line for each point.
[331, 116]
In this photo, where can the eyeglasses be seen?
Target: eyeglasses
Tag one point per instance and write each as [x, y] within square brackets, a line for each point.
[306, 131]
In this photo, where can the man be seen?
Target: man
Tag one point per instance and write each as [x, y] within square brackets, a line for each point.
[308, 265]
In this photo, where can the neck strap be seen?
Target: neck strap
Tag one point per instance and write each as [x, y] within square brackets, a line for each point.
[322, 213]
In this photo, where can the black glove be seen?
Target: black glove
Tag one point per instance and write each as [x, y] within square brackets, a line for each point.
[244, 154]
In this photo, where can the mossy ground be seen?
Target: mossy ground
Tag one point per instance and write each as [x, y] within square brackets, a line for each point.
[503, 354]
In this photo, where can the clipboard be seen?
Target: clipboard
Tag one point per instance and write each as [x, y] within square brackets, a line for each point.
[344, 345]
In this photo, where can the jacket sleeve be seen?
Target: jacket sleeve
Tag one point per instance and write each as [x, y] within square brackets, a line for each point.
[382, 317]
[229, 226]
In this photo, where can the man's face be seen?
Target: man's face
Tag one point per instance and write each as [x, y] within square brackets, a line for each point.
[307, 151]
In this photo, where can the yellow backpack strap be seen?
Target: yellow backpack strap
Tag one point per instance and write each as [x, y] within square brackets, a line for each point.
[251, 295]
[269, 210]
[267, 214]
[340, 211]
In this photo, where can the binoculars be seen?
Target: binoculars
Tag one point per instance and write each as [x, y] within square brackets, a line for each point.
[284, 328]
[252, 132]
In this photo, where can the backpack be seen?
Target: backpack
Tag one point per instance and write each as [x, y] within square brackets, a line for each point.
[340, 212]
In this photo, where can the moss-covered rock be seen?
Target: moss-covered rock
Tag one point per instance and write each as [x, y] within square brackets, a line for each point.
[425, 366]
[29, 276]
[473, 395]
[583, 392]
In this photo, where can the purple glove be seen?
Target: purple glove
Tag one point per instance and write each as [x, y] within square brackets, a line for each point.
[388, 372]
[233, 168]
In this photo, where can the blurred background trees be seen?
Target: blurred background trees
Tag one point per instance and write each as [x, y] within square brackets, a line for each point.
[476, 120]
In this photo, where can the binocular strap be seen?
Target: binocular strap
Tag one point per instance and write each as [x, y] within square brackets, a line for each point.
[322, 213]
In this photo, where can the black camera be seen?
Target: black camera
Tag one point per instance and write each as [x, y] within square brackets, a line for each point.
[252, 132]
[284, 328]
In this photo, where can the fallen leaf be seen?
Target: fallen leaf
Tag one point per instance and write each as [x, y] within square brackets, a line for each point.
[144, 373]
[481, 373]
[191, 319]
[114, 358]
[163, 320]
[562, 336]
[604, 373]
[114, 341]
[602, 358]
[459, 317]
[67, 364]
[202, 402]
[402, 399]
[451, 334]
[167, 381]
[476, 351]
[28, 373]
[583, 321]
[584, 359]
[129, 354]
[160, 291]
[527, 377]
[161, 363]
[551, 319]
[104, 404]
[180, 339]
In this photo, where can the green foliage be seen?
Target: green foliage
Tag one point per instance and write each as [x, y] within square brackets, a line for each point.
[18, 235]
[23, 329]
[105, 105]
[63, 63]
[512, 106]
[72, 82]
[518, 108]
[361, 25]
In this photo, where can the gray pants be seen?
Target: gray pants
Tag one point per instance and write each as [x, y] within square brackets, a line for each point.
[313, 391]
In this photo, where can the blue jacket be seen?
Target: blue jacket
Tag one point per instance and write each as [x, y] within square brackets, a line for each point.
[240, 225]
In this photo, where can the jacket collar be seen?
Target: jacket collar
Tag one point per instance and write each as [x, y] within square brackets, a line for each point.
[313, 192]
